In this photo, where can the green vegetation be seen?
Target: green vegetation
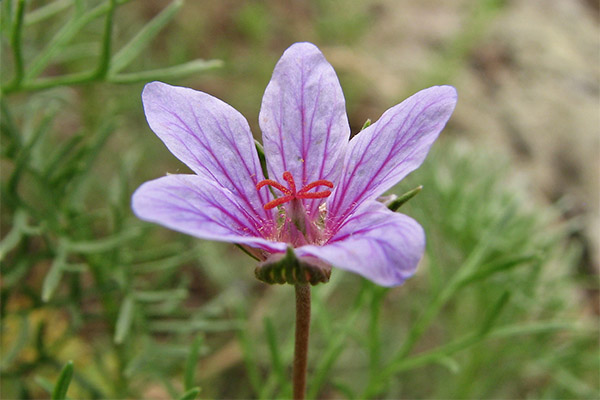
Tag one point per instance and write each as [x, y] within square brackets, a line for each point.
[97, 304]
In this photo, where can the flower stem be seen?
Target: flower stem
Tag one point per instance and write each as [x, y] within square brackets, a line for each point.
[301, 345]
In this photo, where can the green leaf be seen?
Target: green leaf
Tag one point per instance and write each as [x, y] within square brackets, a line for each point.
[336, 346]
[20, 341]
[185, 326]
[54, 275]
[173, 72]
[62, 385]
[104, 244]
[276, 363]
[190, 394]
[104, 59]
[15, 41]
[191, 363]
[493, 314]
[143, 38]
[68, 31]
[44, 383]
[125, 319]
[160, 295]
[47, 11]
[501, 265]
[14, 236]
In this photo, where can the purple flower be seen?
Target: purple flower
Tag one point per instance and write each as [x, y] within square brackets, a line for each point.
[323, 187]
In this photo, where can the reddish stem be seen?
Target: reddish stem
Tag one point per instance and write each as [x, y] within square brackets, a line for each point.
[301, 345]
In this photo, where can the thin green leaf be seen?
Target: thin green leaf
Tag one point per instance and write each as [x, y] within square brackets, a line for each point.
[190, 394]
[20, 341]
[14, 236]
[54, 275]
[124, 319]
[500, 266]
[23, 159]
[47, 11]
[248, 352]
[446, 350]
[159, 295]
[12, 277]
[345, 389]
[104, 60]
[177, 71]
[47, 83]
[335, 347]
[131, 50]
[44, 383]
[104, 244]
[62, 385]
[493, 314]
[186, 326]
[62, 37]
[191, 363]
[449, 363]
[276, 363]
[16, 41]
[10, 130]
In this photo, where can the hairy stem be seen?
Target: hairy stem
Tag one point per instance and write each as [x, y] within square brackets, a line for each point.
[301, 345]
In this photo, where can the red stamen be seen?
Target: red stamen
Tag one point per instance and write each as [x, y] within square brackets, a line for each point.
[320, 182]
[290, 193]
[290, 180]
[275, 184]
[314, 195]
[277, 202]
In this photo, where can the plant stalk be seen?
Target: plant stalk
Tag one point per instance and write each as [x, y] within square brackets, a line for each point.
[301, 344]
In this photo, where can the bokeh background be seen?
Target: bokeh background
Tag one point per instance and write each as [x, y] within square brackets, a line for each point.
[504, 305]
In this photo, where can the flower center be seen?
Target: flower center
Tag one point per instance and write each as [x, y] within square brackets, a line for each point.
[289, 193]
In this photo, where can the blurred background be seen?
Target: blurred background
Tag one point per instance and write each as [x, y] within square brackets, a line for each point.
[504, 305]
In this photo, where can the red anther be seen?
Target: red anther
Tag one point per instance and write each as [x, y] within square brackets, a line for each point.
[290, 193]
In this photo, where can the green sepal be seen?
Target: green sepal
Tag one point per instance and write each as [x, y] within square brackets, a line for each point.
[366, 124]
[261, 156]
[394, 205]
[287, 268]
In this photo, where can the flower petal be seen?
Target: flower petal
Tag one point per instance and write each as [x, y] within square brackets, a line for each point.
[383, 246]
[211, 137]
[200, 207]
[387, 151]
[303, 119]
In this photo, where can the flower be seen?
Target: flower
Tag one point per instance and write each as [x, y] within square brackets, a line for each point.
[321, 195]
